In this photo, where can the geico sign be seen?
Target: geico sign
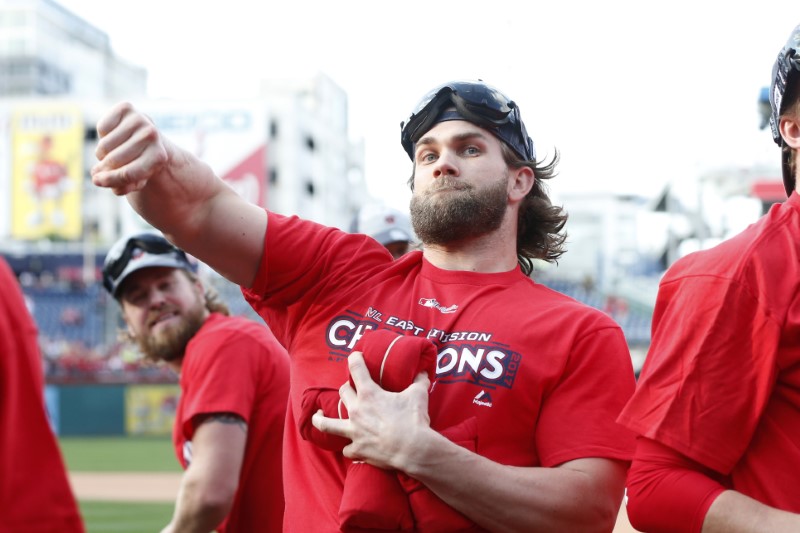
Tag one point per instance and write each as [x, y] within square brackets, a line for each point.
[212, 120]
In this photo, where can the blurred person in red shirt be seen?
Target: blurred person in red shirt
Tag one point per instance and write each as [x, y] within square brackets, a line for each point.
[35, 494]
[234, 381]
[717, 406]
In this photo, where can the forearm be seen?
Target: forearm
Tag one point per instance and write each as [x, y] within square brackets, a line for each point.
[507, 498]
[177, 199]
[195, 510]
[209, 484]
[392, 430]
[733, 512]
[670, 493]
[199, 213]
[179, 194]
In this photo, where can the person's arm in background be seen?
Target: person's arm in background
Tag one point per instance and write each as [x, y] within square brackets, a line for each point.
[670, 493]
[392, 430]
[209, 484]
[733, 512]
[179, 194]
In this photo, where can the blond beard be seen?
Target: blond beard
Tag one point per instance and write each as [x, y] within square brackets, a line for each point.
[169, 345]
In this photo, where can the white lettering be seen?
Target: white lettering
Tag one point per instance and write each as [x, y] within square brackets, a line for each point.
[493, 360]
[336, 340]
[446, 360]
[434, 333]
[473, 359]
[360, 330]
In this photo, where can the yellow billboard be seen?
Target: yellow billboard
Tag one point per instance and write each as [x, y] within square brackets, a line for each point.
[47, 172]
[150, 409]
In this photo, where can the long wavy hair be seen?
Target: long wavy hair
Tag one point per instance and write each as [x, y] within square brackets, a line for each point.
[540, 226]
[212, 299]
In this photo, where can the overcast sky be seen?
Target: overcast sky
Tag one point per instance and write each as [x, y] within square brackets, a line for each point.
[634, 94]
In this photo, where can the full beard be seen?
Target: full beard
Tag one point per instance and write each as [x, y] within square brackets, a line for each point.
[170, 344]
[463, 212]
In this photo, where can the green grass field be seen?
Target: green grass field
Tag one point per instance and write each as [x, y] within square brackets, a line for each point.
[121, 454]
[120, 517]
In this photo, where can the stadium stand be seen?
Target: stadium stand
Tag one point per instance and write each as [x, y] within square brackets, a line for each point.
[79, 324]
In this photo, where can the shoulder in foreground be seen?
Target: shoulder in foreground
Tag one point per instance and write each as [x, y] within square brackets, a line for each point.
[761, 246]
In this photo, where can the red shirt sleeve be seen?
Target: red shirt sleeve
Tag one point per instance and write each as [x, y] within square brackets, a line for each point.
[219, 376]
[710, 370]
[668, 492]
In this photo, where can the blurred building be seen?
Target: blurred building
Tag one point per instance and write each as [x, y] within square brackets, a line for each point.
[46, 50]
[289, 149]
[603, 237]
[314, 169]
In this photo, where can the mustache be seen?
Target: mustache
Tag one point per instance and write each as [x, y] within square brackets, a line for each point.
[152, 316]
[449, 183]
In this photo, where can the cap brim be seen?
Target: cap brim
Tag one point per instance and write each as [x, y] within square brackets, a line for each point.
[150, 261]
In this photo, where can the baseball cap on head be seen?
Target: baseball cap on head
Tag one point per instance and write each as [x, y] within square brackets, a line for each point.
[384, 224]
[476, 102]
[785, 74]
[138, 251]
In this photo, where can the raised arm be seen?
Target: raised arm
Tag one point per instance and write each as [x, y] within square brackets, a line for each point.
[179, 194]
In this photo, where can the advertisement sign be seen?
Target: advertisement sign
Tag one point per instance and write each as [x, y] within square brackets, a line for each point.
[47, 172]
[53, 408]
[150, 409]
[5, 173]
[231, 137]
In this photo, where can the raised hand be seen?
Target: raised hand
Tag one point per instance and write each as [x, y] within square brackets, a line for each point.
[130, 151]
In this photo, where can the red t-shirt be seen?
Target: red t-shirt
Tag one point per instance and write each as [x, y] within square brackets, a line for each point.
[721, 382]
[234, 365]
[544, 375]
[35, 495]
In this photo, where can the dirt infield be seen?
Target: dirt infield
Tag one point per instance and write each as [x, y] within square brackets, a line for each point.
[162, 487]
[126, 486]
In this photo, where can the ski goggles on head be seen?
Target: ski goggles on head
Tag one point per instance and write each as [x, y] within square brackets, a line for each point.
[476, 102]
[143, 250]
